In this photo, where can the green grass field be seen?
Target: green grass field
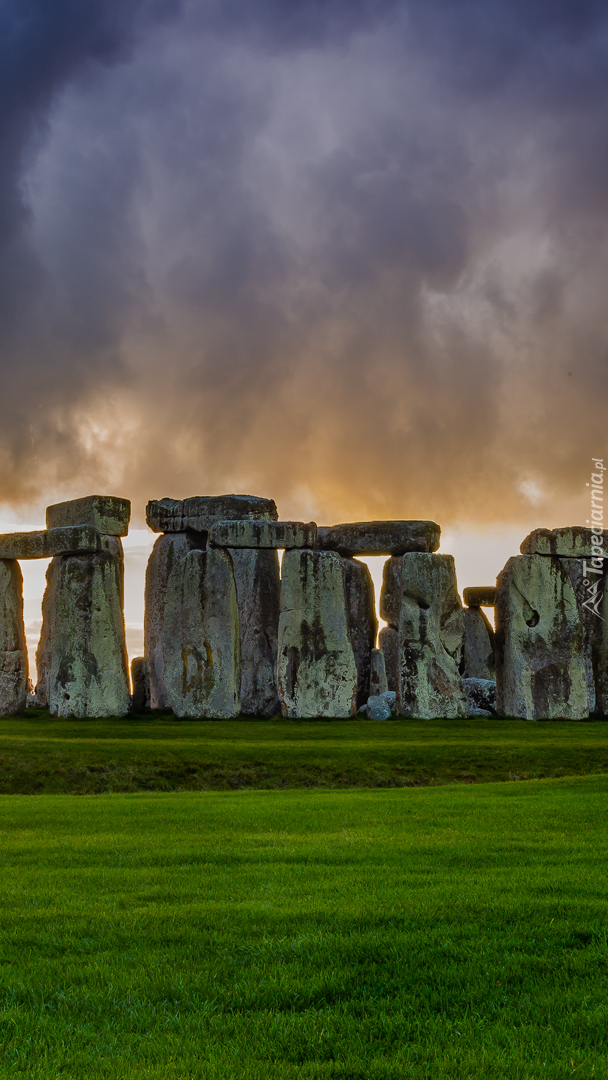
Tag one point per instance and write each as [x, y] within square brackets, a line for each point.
[446, 932]
[39, 754]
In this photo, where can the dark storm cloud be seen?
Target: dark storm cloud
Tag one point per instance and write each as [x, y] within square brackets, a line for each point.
[342, 253]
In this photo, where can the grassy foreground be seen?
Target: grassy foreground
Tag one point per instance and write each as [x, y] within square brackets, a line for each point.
[39, 754]
[450, 933]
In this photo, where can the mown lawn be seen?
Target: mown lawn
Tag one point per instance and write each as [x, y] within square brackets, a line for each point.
[447, 932]
[159, 753]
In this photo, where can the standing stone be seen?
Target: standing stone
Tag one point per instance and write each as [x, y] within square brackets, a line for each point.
[540, 666]
[388, 640]
[430, 639]
[140, 681]
[258, 587]
[200, 637]
[478, 652]
[317, 671]
[82, 656]
[362, 621]
[390, 594]
[377, 675]
[167, 551]
[13, 652]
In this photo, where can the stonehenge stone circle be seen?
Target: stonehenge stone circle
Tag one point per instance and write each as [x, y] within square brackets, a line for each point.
[430, 639]
[13, 652]
[200, 637]
[540, 667]
[317, 671]
[226, 632]
[380, 537]
[478, 660]
[109, 515]
[263, 534]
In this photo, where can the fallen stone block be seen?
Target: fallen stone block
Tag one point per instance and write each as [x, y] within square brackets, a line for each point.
[388, 640]
[379, 537]
[82, 656]
[381, 706]
[430, 639]
[481, 694]
[106, 513]
[258, 587]
[200, 637]
[317, 672]
[540, 666]
[574, 542]
[479, 596]
[263, 534]
[140, 681]
[377, 675]
[13, 651]
[362, 621]
[200, 512]
[72, 540]
[478, 660]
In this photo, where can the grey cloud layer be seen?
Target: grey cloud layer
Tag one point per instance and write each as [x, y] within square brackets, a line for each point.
[351, 255]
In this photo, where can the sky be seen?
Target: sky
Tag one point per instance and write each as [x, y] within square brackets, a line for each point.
[348, 254]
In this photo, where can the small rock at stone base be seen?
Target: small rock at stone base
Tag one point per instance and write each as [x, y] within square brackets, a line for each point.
[378, 708]
[481, 693]
[480, 712]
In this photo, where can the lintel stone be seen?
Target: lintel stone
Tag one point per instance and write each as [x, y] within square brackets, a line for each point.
[263, 534]
[71, 540]
[572, 541]
[106, 513]
[198, 513]
[380, 537]
[480, 596]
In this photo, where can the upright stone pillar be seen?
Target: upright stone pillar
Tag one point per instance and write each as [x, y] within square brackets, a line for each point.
[430, 639]
[82, 654]
[317, 671]
[362, 621]
[13, 652]
[540, 666]
[187, 524]
[478, 654]
[200, 637]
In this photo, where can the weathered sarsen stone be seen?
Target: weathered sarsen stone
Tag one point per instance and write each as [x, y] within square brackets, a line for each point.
[479, 596]
[13, 652]
[478, 653]
[82, 656]
[573, 541]
[71, 540]
[379, 537]
[540, 666]
[263, 534]
[317, 672]
[377, 675]
[430, 639]
[388, 640]
[140, 682]
[166, 552]
[258, 586]
[362, 621]
[200, 637]
[200, 512]
[106, 513]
